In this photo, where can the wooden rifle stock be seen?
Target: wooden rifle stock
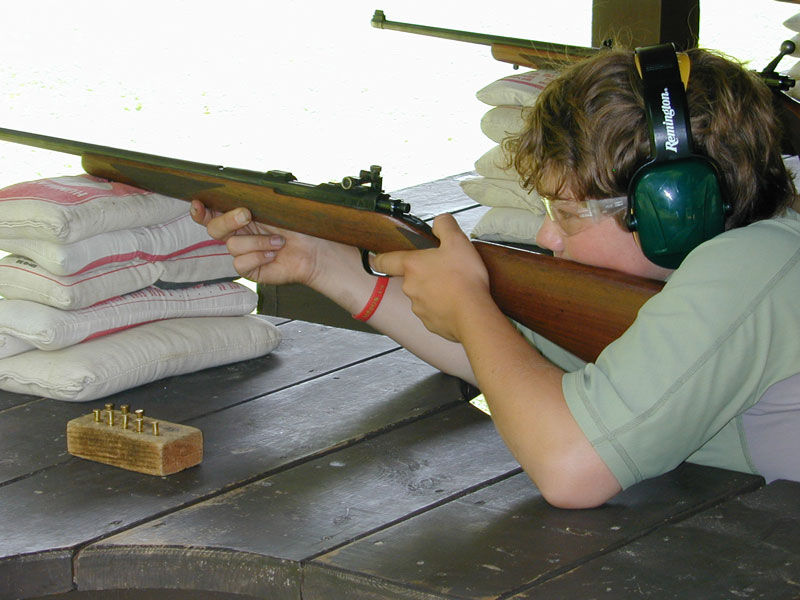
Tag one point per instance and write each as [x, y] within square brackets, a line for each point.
[534, 58]
[375, 231]
[578, 307]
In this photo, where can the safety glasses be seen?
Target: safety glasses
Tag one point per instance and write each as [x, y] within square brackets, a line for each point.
[573, 217]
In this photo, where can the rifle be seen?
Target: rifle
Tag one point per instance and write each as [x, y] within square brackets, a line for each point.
[579, 307]
[548, 55]
[516, 51]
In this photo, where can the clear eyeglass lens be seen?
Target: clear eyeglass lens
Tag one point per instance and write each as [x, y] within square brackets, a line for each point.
[573, 217]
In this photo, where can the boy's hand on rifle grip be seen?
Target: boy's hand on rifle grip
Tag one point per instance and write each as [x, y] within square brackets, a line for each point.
[448, 286]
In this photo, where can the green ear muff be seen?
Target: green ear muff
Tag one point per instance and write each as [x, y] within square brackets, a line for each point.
[675, 201]
[670, 222]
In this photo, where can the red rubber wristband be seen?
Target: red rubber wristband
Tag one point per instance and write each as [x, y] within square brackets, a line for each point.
[374, 300]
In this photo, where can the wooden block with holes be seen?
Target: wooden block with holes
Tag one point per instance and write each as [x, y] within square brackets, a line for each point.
[131, 441]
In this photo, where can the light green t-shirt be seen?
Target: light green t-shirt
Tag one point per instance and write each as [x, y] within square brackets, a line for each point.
[724, 329]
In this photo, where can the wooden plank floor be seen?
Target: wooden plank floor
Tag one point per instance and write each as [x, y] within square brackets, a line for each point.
[510, 538]
[746, 548]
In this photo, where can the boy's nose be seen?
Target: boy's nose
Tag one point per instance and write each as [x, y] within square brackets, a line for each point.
[550, 236]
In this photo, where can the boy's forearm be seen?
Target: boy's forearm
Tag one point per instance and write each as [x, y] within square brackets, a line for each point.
[395, 318]
[342, 279]
[524, 394]
[339, 276]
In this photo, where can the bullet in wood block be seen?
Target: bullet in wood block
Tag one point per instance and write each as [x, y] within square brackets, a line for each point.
[162, 449]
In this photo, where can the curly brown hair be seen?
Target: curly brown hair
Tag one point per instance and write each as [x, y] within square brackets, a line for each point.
[587, 133]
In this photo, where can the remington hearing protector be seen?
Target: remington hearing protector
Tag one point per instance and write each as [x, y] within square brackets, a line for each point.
[675, 200]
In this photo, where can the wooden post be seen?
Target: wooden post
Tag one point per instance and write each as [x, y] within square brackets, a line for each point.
[646, 22]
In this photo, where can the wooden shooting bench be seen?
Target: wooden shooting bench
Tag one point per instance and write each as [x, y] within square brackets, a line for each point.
[340, 466]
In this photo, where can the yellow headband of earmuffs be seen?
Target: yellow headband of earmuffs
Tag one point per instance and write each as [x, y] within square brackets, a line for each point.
[684, 64]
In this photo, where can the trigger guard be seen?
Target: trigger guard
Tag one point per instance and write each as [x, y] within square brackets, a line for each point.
[368, 267]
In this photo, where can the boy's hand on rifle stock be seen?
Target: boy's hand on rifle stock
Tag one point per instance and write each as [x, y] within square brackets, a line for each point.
[261, 253]
[448, 286]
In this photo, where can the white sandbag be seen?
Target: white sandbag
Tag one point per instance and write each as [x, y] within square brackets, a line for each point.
[153, 243]
[23, 279]
[502, 121]
[494, 165]
[46, 328]
[72, 208]
[209, 263]
[501, 192]
[519, 89]
[515, 225]
[11, 346]
[133, 357]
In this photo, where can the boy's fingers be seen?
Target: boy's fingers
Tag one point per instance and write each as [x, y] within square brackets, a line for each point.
[445, 224]
[199, 213]
[245, 244]
[393, 263]
[390, 263]
[228, 223]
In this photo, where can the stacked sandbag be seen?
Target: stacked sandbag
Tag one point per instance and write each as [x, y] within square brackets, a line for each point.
[515, 215]
[108, 287]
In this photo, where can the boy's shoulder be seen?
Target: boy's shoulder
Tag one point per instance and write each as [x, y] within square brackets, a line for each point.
[753, 252]
[780, 234]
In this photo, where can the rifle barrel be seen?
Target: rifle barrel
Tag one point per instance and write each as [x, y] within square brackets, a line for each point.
[379, 20]
[355, 196]
[55, 144]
